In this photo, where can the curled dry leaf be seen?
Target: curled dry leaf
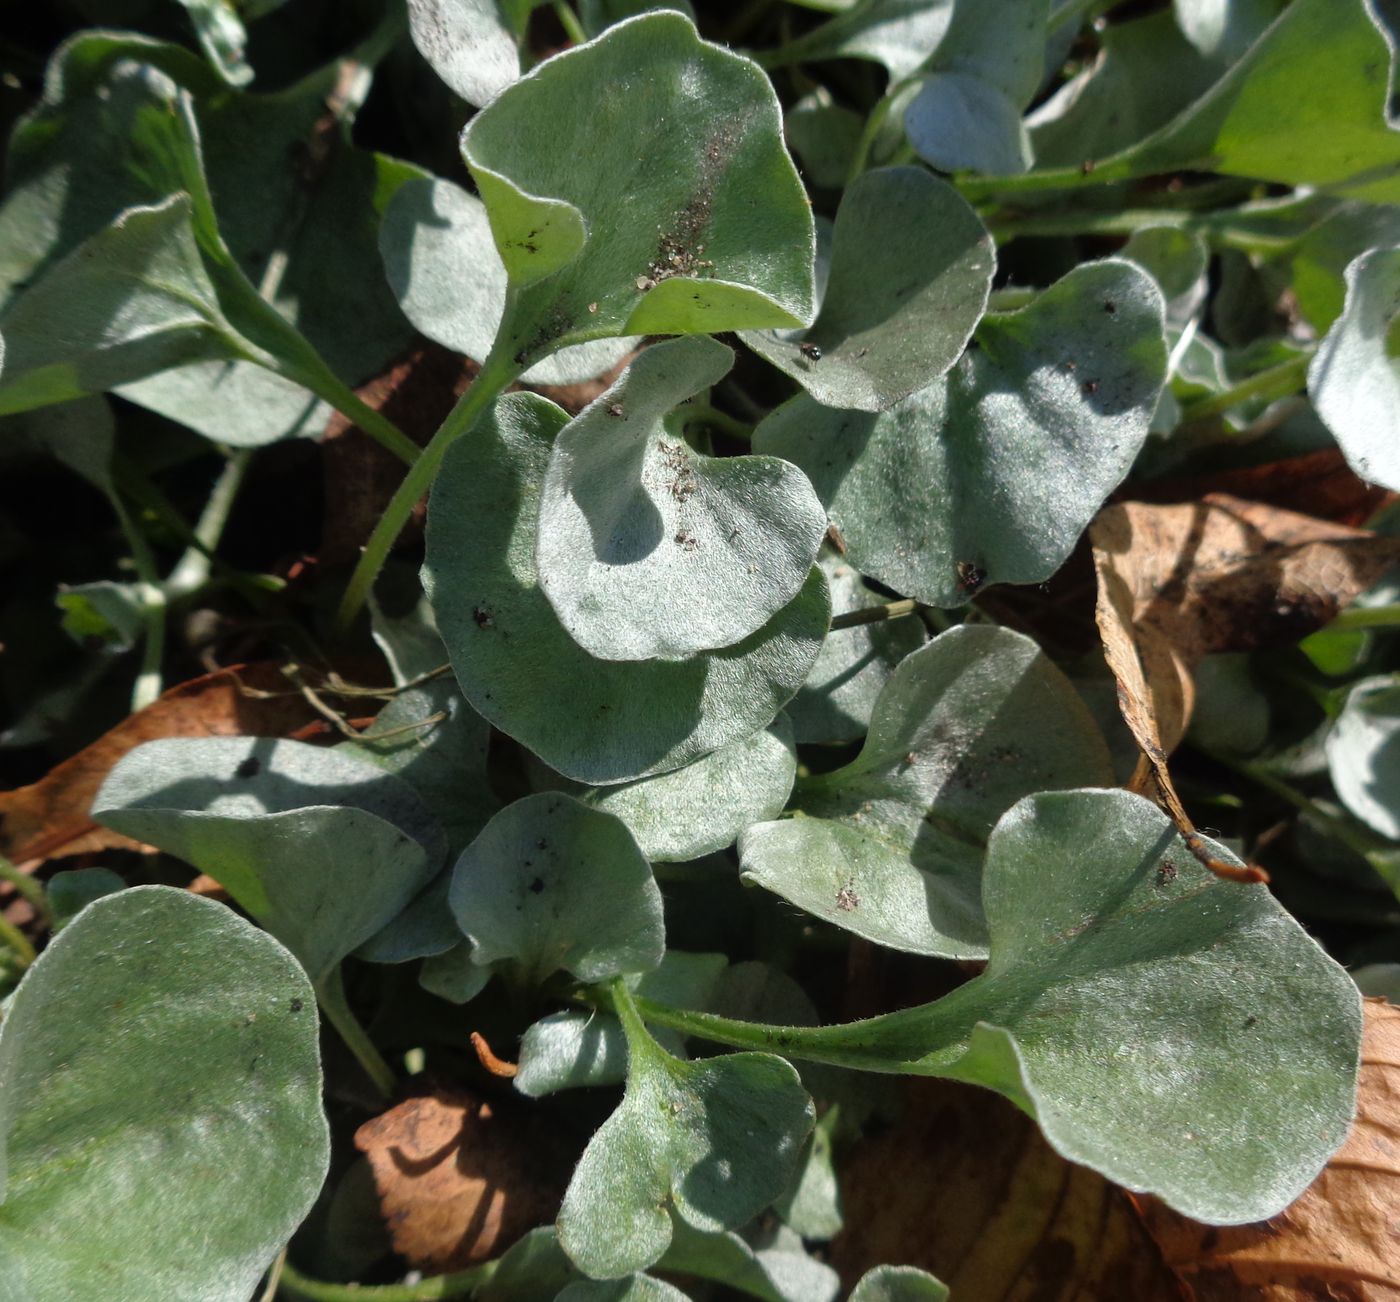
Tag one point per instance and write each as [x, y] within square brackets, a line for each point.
[459, 1178]
[49, 819]
[1180, 582]
[965, 1187]
[1341, 1240]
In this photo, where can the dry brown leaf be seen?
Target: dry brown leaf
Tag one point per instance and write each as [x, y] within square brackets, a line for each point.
[461, 1178]
[1341, 1240]
[49, 818]
[1177, 583]
[964, 1186]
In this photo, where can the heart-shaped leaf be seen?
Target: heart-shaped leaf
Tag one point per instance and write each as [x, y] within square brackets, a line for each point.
[552, 884]
[710, 231]
[160, 1064]
[911, 268]
[992, 473]
[450, 282]
[1179, 1033]
[649, 550]
[890, 847]
[609, 721]
[322, 849]
[1354, 381]
[715, 1141]
[569, 1050]
[967, 114]
[473, 45]
[1363, 754]
[835, 702]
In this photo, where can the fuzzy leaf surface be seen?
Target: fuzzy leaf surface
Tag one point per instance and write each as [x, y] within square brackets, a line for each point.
[890, 846]
[648, 549]
[607, 721]
[996, 468]
[711, 232]
[161, 1084]
[911, 268]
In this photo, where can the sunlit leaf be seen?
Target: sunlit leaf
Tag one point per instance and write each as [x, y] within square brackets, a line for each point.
[1363, 754]
[610, 721]
[992, 473]
[159, 1063]
[648, 549]
[911, 267]
[713, 231]
[772, 1276]
[890, 846]
[901, 34]
[898, 1284]
[473, 45]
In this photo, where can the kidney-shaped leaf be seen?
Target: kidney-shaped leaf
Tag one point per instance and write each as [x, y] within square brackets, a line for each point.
[596, 721]
[323, 849]
[715, 1141]
[890, 846]
[444, 269]
[1177, 1032]
[991, 474]
[911, 267]
[1354, 379]
[898, 1284]
[647, 549]
[552, 884]
[160, 1095]
[689, 218]
[473, 45]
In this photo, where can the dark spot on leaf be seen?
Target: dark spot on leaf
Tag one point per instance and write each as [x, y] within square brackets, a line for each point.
[1090, 386]
[1110, 306]
[1166, 872]
[483, 616]
[249, 768]
[537, 886]
[297, 1005]
[1250, 1020]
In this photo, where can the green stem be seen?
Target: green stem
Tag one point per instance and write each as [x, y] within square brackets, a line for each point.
[191, 571]
[152, 593]
[1336, 826]
[471, 406]
[876, 614]
[330, 994]
[459, 1284]
[1279, 381]
[31, 890]
[1359, 617]
[17, 941]
[810, 1042]
[1012, 298]
[379, 427]
[873, 123]
[700, 413]
[568, 20]
[1224, 230]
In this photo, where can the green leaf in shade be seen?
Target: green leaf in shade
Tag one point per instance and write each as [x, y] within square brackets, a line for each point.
[898, 1284]
[723, 1257]
[70, 892]
[812, 1207]
[473, 45]
[131, 300]
[890, 847]
[161, 1106]
[713, 1142]
[835, 702]
[650, 550]
[1145, 73]
[967, 113]
[602, 722]
[1224, 29]
[996, 469]
[238, 404]
[450, 974]
[911, 268]
[712, 232]
[897, 33]
[635, 1288]
[533, 1267]
[1354, 379]
[552, 884]
[1306, 105]
[569, 1050]
[1319, 259]
[449, 280]
[1363, 754]
[1179, 1033]
[824, 136]
[320, 848]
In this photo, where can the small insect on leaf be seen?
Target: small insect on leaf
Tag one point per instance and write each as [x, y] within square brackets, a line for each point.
[810, 351]
[970, 576]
